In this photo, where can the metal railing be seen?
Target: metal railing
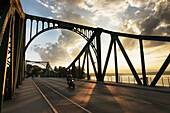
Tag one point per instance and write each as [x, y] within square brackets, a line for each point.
[164, 81]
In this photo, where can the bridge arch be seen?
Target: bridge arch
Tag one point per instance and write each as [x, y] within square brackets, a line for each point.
[56, 27]
[84, 31]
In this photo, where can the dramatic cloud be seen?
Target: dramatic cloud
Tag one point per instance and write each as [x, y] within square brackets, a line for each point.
[68, 42]
[161, 16]
[146, 17]
[53, 53]
[154, 19]
[158, 23]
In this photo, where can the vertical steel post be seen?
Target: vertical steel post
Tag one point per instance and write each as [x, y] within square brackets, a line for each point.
[142, 62]
[42, 25]
[74, 70]
[31, 29]
[99, 61]
[83, 66]
[79, 69]
[16, 44]
[162, 82]
[88, 76]
[3, 60]
[116, 64]
[18, 55]
[11, 62]
[24, 41]
[37, 27]
[168, 82]
[21, 52]
[48, 24]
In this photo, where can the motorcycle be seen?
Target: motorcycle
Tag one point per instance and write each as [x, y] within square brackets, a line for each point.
[71, 84]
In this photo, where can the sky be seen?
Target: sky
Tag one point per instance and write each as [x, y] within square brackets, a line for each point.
[60, 47]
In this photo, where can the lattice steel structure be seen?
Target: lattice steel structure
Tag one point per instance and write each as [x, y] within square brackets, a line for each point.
[13, 47]
[93, 37]
[12, 44]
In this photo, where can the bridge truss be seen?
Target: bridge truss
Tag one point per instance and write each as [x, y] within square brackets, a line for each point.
[93, 37]
[13, 47]
[12, 44]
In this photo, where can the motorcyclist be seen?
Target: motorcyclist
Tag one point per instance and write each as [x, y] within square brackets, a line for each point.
[69, 78]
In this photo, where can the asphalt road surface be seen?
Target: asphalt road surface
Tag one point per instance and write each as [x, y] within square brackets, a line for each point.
[101, 98]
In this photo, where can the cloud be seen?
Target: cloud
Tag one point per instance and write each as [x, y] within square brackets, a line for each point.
[106, 13]
[58, 52]
[153, 24]
[68, 42]
[54, 53]
[153, 19]
[147, 17]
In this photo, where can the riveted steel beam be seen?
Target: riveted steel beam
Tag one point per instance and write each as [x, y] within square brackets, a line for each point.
[129, 62]
[83, 65]
[92, 61]
[3, 60]
[108, 56]
[161, 71]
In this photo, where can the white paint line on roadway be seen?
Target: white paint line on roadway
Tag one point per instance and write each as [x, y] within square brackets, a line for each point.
[138, 100]
[67, 98]
[51, 106]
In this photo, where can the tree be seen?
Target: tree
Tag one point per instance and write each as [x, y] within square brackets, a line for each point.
[75, 72]
[55, 68]
[33, 70]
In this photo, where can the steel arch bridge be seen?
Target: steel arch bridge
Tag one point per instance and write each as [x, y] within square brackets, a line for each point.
[13, 46]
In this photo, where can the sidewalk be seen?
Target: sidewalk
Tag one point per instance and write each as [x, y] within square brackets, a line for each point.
[158, 89]
[27, 100]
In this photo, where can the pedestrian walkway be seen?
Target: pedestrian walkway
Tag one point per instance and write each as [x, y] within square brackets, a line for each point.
[27, 100]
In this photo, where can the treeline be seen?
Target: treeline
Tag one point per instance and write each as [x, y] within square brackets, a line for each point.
[34, 70]
[75, 72]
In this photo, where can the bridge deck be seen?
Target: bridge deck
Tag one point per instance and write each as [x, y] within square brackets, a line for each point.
[87, 97]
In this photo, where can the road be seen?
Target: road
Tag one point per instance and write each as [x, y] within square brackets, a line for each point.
[101, 98]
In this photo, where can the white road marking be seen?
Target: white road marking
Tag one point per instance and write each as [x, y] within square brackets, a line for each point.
[51, 106]
[138, 100]
[66, 98]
